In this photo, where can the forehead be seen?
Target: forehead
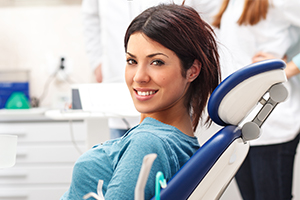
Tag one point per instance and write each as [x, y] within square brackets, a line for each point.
[139, 43]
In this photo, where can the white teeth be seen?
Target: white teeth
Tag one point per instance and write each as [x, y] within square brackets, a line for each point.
[145, 93]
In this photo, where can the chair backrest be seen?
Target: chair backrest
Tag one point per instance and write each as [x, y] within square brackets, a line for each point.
[209, 171]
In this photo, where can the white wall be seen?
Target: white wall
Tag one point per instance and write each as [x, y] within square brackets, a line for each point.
[33, 37]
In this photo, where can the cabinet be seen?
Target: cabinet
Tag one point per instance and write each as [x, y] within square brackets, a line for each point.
[46, 152]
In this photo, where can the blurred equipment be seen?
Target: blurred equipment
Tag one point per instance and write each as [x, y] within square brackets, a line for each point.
[14, 89]
[76, 102]
[60, 77]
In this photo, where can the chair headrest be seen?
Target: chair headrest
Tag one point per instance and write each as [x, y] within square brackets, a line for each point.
[239, 93]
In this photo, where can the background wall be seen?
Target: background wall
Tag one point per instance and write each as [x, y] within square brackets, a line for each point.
[34, 35]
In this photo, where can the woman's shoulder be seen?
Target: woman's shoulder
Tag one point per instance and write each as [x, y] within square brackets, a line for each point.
[145, 136]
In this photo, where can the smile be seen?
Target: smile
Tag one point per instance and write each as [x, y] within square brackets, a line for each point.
[145, 93]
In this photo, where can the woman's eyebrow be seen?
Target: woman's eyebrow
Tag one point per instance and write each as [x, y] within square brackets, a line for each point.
[131, 54]
[155, 54]
[149, 56]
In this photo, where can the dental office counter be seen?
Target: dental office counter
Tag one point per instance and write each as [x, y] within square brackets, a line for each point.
[46, 152]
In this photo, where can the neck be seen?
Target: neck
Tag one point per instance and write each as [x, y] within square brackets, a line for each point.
[178, 118]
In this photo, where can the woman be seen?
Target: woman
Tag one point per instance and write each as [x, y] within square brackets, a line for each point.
[246, 28]
[172, 68]
[104, 25]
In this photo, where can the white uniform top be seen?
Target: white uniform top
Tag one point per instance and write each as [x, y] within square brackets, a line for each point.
[277, 34]
[105, 23]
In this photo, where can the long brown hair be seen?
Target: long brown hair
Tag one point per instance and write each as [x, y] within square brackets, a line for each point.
[254, 11]
[180, 29]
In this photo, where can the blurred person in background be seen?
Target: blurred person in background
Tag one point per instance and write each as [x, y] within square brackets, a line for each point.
[245, 29]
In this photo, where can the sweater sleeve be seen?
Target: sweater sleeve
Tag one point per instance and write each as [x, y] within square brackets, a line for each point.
[125, 176]
[296, 60]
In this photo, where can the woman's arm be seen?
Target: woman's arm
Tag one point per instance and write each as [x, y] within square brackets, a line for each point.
[293, 67]
[126, 173]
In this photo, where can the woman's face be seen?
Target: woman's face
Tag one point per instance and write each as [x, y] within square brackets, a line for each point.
[153, 76]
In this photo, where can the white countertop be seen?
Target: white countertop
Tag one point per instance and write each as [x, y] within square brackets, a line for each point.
[32, 114]
[80, 114]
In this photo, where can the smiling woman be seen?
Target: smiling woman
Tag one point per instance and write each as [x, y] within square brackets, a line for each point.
[172, 68]
[154, 78]
[193, 46]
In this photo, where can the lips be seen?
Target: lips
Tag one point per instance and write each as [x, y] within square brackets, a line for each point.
[144, 94]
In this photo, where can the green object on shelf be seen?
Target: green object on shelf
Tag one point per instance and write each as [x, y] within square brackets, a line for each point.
[17, 100]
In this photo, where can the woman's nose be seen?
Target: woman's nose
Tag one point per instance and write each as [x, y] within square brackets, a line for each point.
[141, 75]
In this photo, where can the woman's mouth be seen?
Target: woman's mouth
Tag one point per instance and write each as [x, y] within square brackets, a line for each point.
[143, 95]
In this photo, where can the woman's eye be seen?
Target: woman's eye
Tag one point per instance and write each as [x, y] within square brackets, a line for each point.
[131, 61]
[158, 62]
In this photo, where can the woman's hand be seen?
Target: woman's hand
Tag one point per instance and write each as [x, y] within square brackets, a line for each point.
[260, 56]
[98, 74]
[290, 70]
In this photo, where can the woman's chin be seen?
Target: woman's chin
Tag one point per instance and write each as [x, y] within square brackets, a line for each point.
[143, 110]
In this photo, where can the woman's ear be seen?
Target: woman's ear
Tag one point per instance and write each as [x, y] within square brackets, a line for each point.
[194, 71]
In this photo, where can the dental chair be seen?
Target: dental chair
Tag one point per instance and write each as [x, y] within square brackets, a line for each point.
[209, 171]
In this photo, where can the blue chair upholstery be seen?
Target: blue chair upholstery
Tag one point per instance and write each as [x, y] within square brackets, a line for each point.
[209, 171]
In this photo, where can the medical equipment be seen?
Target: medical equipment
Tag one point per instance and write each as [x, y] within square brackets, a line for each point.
[160, 182]
[143, 176]
[14, 89]
[141, 182]
[99, 195]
